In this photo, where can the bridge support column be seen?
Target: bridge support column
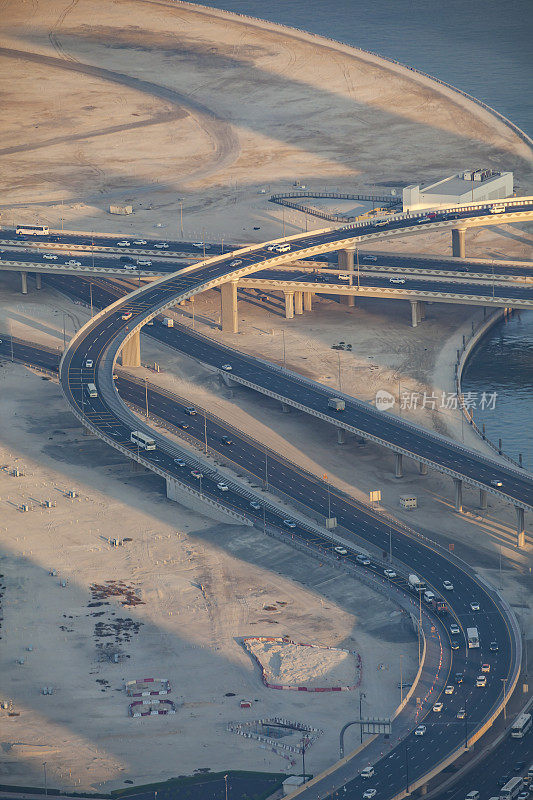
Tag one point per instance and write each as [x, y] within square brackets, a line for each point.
[228, 307]
[285, 409]
[421, 310]
[459, 242]
[458, 494]
[131, 352]
[520, 527]
[24, 282]
[482, 499]
[289, 305]
[346, 259]
[422, 468]
[341, 436]
[38, 284]
[308, 301]
[415, 313]
[298, 302]
[398, 473]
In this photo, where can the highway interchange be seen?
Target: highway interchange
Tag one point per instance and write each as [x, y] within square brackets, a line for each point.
[100, 341]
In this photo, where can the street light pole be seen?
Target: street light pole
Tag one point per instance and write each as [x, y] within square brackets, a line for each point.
[390, 544]
[91, 296]
[181, 218]
[504, 681]
[226, 785]
[205, 431]
[146, 395]
[361, 695]
[339, 358]
[283, 335]
[45, 780]
[266, 471]
[401, 679]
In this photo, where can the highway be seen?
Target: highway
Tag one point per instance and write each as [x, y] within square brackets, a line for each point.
[444, 731]
[106, 414]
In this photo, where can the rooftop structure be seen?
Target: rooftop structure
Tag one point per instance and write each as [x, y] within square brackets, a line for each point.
[472, 186]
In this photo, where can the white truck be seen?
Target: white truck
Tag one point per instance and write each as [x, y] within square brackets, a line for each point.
[429, 597]
[167, 322]
[416, 583]
[336, 403]
[472, 637]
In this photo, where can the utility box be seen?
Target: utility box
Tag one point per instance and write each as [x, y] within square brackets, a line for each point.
[408, 501]
[291, 783]
[123, 210]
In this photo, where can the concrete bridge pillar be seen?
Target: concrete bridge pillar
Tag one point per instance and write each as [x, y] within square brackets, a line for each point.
[459, 242]
[228, 307]
[308, 301]
[422, 468]
[346, 258]
[298, 302]
[131, 352]
[482, 499]
[341, 436]
[421, 310]
[289, 305]
[24, 282]
[458, 494]
[520, 527]
[398, 465]
[415, 313]
[38, 284]
[285, 408]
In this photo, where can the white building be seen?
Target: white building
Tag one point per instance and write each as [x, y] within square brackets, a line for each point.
[475, 186]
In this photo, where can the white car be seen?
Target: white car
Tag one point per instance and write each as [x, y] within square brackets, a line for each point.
[190, 410]
[420, 731]
[368, 772]
[474, 605]
[481, 680]
[363, 559]
[236, 263]
[341, 550]
[448, 585]
[140, 241]
[144, 262]
[455, 629]
[344, 277]
[437, 707]
[227, 367]
[449, 689]
[50, 257]
[89, 363]
[255, 505]
[461, 714]
[161, 245]
[289, 523]
[497, 483]
[369, 794]
[124, 243]
[271, 247]
[396, 280]
[390, 573]
[196, 474]
[370, 258]
[73, 263]
[223, 486]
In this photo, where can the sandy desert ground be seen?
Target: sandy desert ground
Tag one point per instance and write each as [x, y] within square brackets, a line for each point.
[173, 109]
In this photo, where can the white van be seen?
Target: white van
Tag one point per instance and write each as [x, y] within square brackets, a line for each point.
[91, 390]
[498, 208]
[283, 248]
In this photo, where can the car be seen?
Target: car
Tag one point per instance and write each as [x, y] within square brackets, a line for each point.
[124, 243]
[485, 668]
[449, 689]
[454, 644]
[127, 259]
[363, 559]
[50, 257]
[89, 363]
[227, 367]
[196, 474]
[184, 426]
[404, 685]
[493, 647]
[289, 523]
[453, 216]
[389, 573]
[271, 247]
[144, 262]
[73, 263]
[179, 462]
[496, 482]
[524, 794]
[226, 440]
[448, 585]
[341, 550]
[161, 245]
[344, 276]
[455, 629]
[115, 376]
[420, 731]
[198, 244]
[236, 262]
[424, 219]
[255, 505]
[481, 680]
[223, 486]
[190, 410]
[461, 714]
[459, 677]
[474, 605]
[437, 707]
[369, 794]
[140, 241]
[368, 772]
[396, 280]
[126, 315]
[370, 258]
[381, 222]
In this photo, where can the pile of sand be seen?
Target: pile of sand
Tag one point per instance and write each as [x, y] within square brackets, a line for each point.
[290, 664]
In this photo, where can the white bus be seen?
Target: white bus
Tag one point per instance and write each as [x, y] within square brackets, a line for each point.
[473, 637]
[521, 726]
[512, 789]
[141, 439]
[91, 390]
[33, 230]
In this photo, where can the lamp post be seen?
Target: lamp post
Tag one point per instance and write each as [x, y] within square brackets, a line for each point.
[45, 780]
[226, 786]
[504, 681]
[339, 359]
[181, 218]
[146, 395]
[361, 695]
[283, 336]
[91, 295]
[205, 431]
[401, 679]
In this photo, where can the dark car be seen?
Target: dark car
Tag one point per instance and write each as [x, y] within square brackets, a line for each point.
[226, 440]
[127, 260]
[459, 677]
[184, 426]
